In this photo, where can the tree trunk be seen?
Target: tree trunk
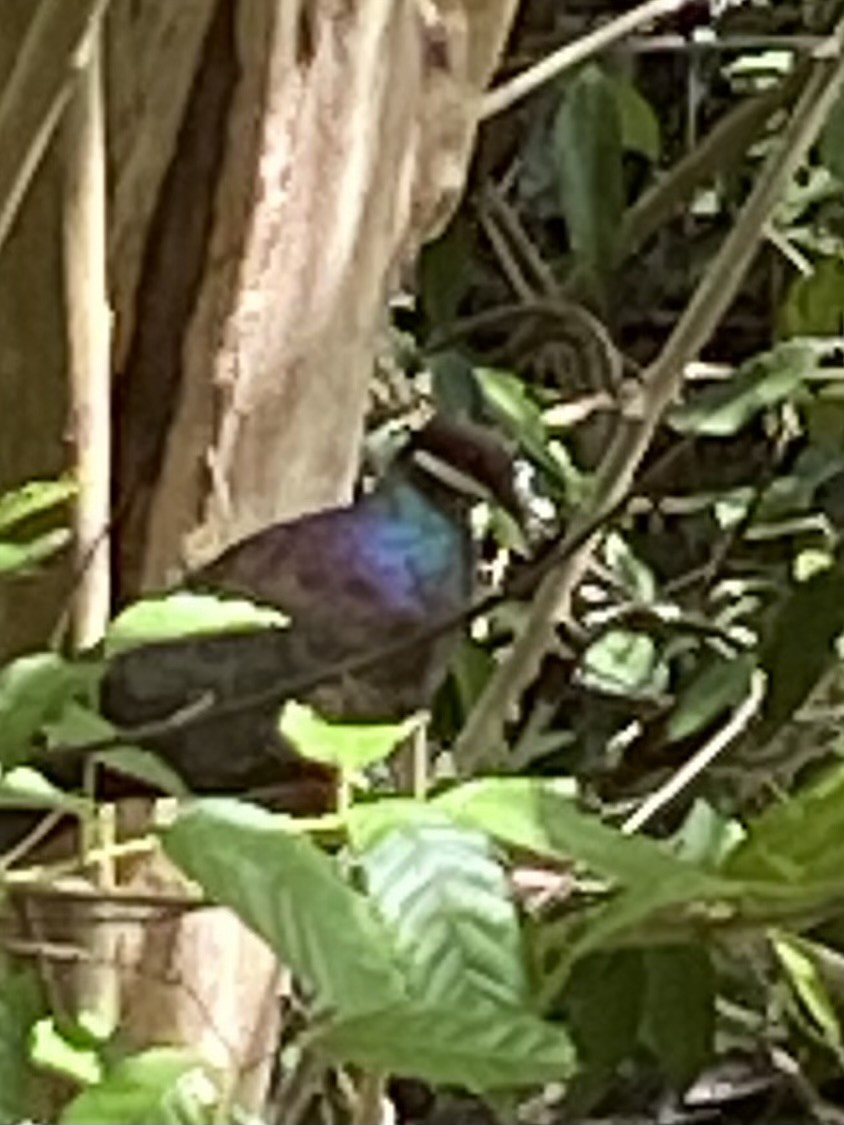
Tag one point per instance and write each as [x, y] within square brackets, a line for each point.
[273, 165]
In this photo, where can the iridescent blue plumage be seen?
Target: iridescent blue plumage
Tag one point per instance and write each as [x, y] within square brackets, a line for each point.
[351, 580]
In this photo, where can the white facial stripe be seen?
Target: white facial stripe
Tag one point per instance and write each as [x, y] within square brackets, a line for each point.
[447, 474]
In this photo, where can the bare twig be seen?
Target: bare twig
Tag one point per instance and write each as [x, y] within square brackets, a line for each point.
[88, 317]
[572, 54]
[702, 760]
[482, 734]
[36, 94]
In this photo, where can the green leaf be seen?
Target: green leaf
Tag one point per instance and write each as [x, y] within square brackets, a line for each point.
[348, 746]
[32, 499]
[21, 1004]
[512, 404]
[33, 690]
[679, 1010]
[621, 662]
[479, 1047]
[602, 1007]
[185, 615]
[799, 960]
[718, 685]
[446, 900]
[288, 891]
[51, 1050]
[20, 558]
[631, 572]
[25, 788]
[722, 409]
[814, 304]
[640, 130]
[800, 646]
[168, 1085]
[587, 155]
[798, 841]
[540, 816]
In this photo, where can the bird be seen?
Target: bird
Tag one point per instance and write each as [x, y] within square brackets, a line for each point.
[351, 581]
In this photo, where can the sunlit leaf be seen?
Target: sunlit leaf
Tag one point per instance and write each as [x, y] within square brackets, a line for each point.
[33, 498]
[20, 558]
[185, 615]
[293, 895]
[51, 1050]
[25, 788]
[168, 1085]
[799, 960]
[348, 746]
[447, 902]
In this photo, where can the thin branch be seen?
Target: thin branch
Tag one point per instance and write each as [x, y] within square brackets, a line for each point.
[661, 382]
[89, 325]
[572, 54]
[37, 93]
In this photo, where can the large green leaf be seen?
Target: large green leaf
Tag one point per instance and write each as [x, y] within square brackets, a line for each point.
[292, 894]
[587, 155]
[20, 1005]
[184, 615]
[167, 1085]
[722, 409]
[798, 841]
[446, 900]
[479, 1046]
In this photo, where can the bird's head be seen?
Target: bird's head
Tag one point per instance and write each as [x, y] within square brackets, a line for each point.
[468, 460]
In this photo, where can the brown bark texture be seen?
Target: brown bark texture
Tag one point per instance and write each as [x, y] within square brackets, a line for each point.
[272, 165]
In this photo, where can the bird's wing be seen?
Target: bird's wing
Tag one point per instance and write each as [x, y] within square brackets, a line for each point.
[325, 571]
